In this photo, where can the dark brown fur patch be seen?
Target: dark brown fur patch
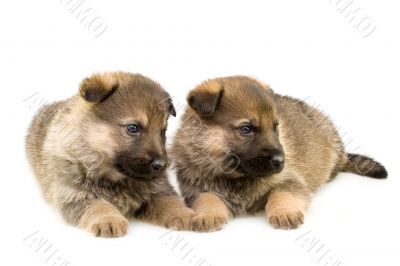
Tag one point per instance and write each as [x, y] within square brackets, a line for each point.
[206, 98]
[98, 87]
[363, 165]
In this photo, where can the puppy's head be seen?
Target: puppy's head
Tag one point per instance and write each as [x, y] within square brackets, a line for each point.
[241, 114]
[126, 123]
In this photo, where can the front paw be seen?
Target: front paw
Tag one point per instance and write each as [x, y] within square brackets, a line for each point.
[181, 221]
[208, 222]
[286, 219]
[110, 226]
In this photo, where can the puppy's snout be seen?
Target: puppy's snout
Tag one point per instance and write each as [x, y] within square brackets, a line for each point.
[277, 161]
[158, 164]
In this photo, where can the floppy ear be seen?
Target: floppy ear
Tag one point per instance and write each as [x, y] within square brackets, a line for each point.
[206, 97]
[171, 108]
[98, 87]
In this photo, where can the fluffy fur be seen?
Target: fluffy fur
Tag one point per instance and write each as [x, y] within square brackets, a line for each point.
[95, 172]
[292, 149]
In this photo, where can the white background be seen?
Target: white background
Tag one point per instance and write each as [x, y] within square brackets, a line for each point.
[307, 49]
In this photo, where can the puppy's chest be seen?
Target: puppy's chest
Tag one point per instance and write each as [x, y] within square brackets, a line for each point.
[128, 203]
[244, 197]
[126, 198]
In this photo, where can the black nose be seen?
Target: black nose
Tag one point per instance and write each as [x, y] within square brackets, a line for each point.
[158, 164]
[277, 160]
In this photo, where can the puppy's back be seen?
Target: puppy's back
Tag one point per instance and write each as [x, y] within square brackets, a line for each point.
[37, 135]
[312, 143]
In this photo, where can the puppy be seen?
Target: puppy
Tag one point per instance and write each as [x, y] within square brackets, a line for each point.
[100, 156]
[242, 148]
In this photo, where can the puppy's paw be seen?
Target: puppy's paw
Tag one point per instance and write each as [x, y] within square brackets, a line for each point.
[181, 221]
[208, 222]
[286, 219]
[110, 226]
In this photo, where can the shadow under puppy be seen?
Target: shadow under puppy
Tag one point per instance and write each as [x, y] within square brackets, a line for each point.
[100, 156]
[241, 148]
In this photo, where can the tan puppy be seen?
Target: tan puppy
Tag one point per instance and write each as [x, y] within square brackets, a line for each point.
[100, 156]
[242, 148]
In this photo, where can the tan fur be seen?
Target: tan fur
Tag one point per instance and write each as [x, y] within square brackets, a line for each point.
[236, 169]
[100, 139]
[211, 213]
[210, 86]
[103, 219]
[171, 212]
[285, 209]
[92, 169]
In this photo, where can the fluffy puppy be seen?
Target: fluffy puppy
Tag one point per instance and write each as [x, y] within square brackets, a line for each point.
[242, 148]
[100, 155]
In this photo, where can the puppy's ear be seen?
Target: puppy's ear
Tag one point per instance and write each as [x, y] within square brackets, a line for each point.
[206, 97]
[171, 107]
[98, 87]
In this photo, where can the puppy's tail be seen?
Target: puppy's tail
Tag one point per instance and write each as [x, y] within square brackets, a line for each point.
[363, 165]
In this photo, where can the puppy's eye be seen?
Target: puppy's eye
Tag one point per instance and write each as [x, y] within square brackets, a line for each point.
[163, 133]
[246, 130]
[132, 128]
